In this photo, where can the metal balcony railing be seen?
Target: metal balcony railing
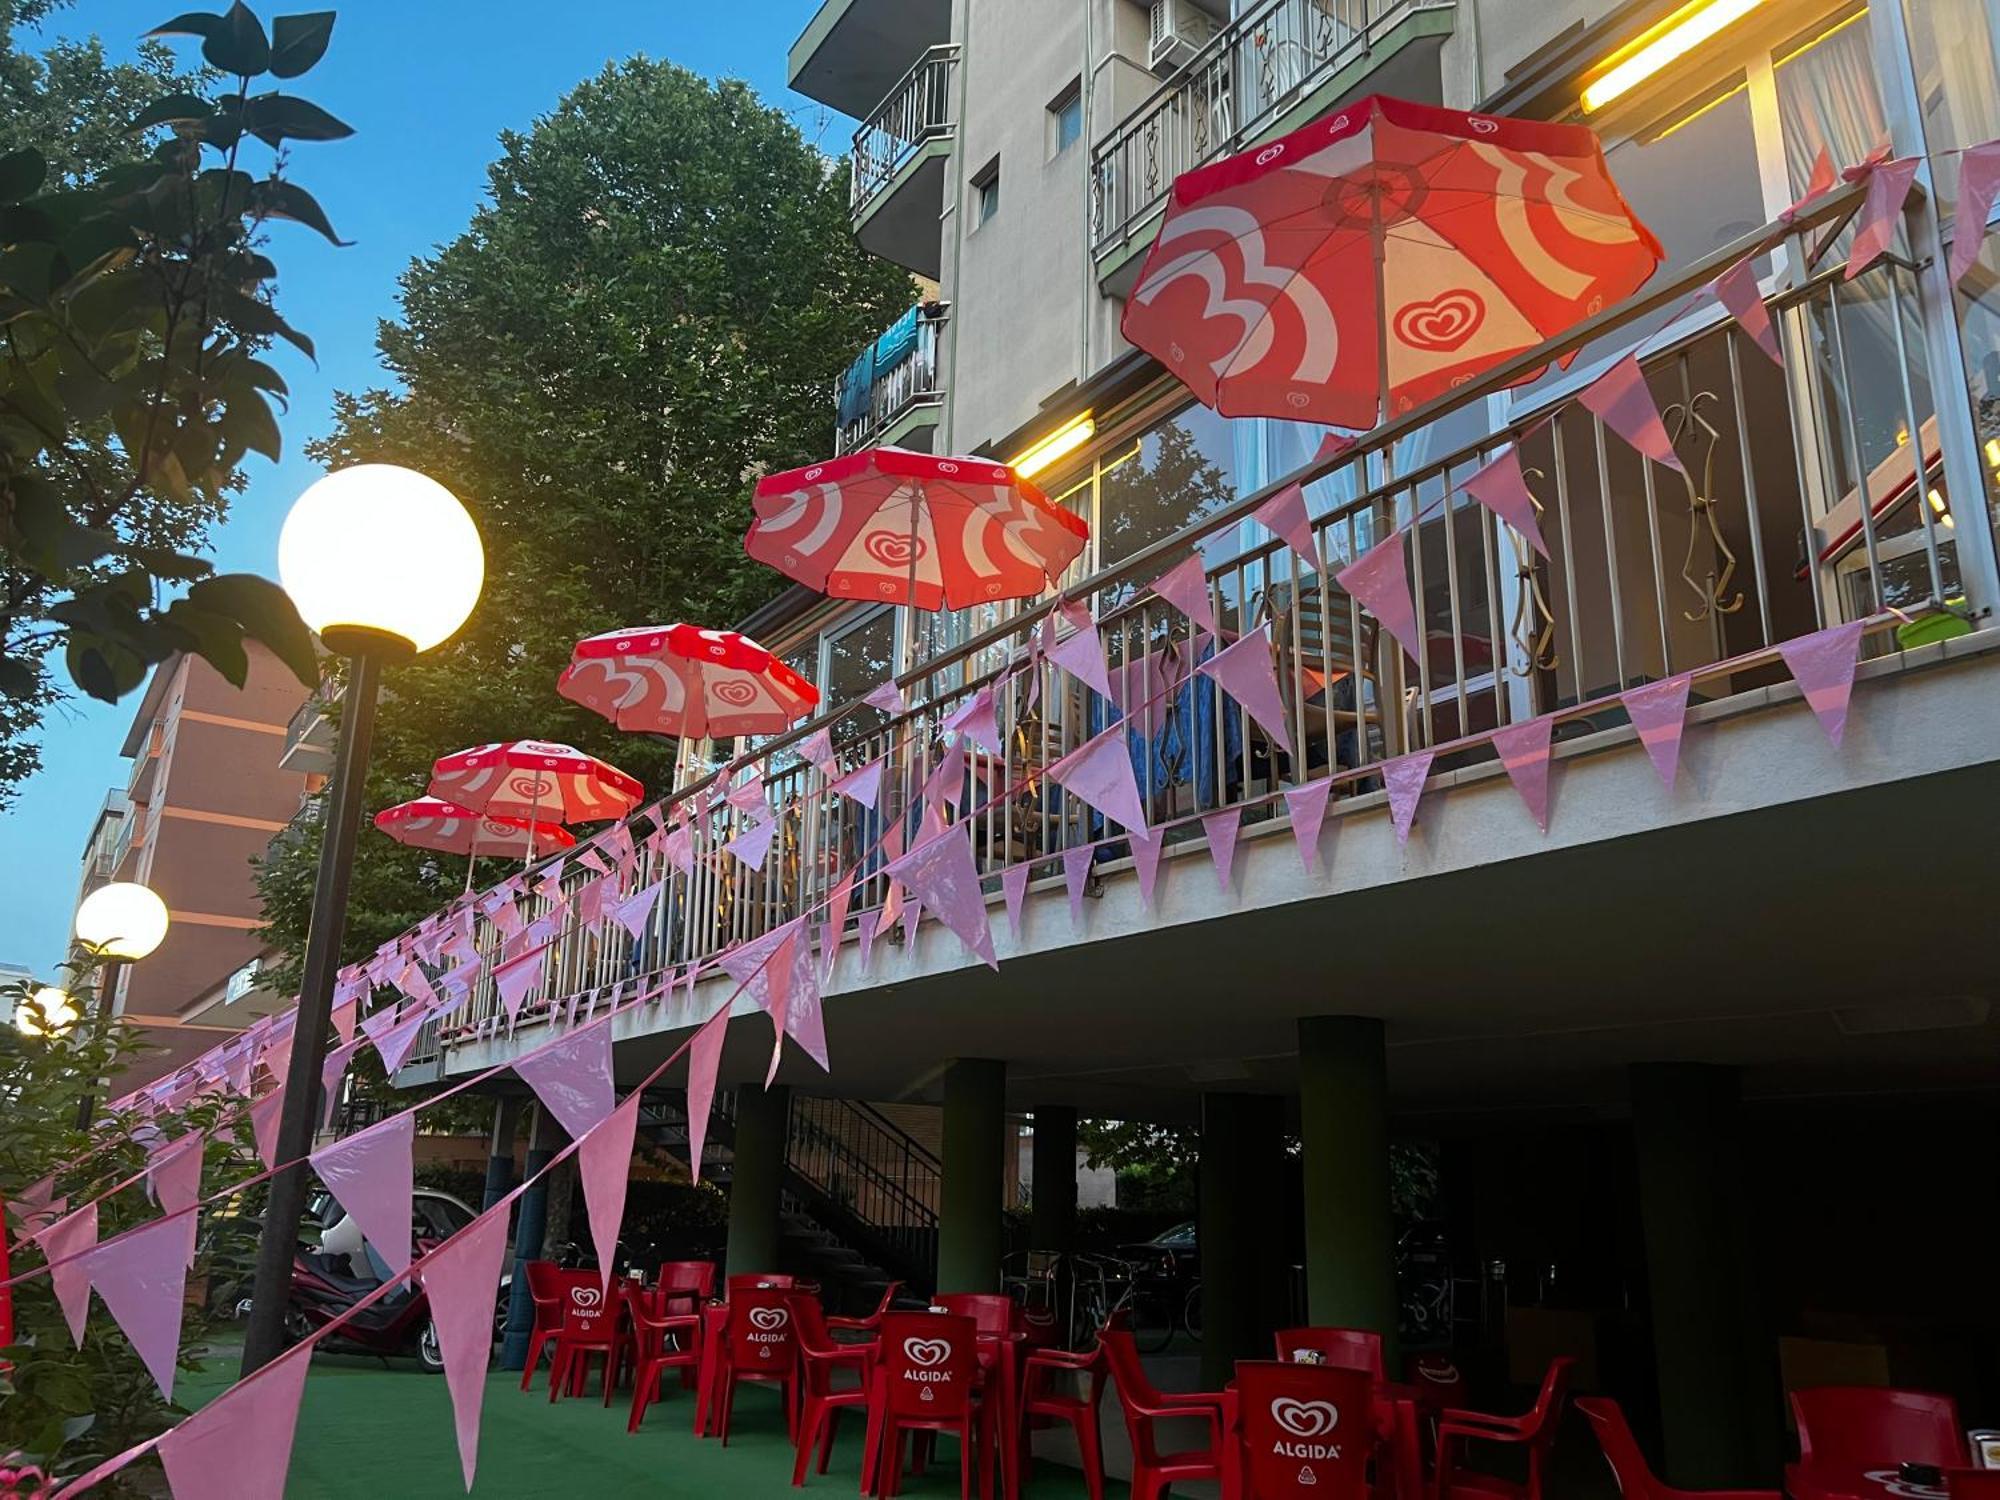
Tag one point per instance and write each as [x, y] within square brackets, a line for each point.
[918, 110]
[912, 382]
[1814, 494]
[1237, 88]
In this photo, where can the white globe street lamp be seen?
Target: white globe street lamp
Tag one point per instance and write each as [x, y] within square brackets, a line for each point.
[47, 1012]
[122, 921]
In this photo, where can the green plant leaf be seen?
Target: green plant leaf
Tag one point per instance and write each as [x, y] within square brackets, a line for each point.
[18, 679]
[172, 109]
[280, 199]
[297, 42]
[238, 45]
[21, 173]
[274, 118]
[190, 23]
[216, 638]
[266, 614]
[247, 419]
[103, 670]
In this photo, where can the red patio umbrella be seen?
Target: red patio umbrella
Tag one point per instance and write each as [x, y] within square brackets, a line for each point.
[1370, 261]
[433, 823]
[534, 779]
[683, 680]
[910, 528]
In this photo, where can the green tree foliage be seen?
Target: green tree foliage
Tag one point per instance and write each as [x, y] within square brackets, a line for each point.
[135, 304]
[649, 313]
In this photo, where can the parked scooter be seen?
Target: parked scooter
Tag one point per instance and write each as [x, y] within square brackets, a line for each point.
[329, 1281]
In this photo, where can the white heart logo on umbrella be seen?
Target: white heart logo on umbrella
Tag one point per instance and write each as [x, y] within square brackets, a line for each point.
[768, 1318]
[926, 1352]
[1306, 1419]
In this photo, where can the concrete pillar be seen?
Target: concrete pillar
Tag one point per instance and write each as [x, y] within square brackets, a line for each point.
[1052, 1212]
[500, 1150]
[975, 1150]
[1242, 1247]
[1718, 1401]
[1344, 1134]
[757, 1177]
[530, 1229]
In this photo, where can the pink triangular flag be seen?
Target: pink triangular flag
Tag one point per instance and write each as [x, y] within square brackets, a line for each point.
[604, 1162]
[395, 1043]
[1404, 778]
[816, 750]
[240, 1444]
[704, 1059]
[836, 920]
[865, 937]
[753, 844]
[330, 1075]
[637, 909]
[1823, 665]
[264, 1119]
[1081, 654]
[1076, 874]
[1014, 887]
[1881, 211]
[913, 914]
[414, 983]
[678, 850]
[1736, 290]
[142, 1277]
[1380, 579]
[572, 1078]
[1502, 488]
[616, 841]
[1524, 750]
[1307, 808]
[863, 786]
[1659, 711]
[1244, 671]
[888, 697]
[1332, 445]
[173, 1173]
[515, 978]
[942, 875]
[1101, 774]
[749, 796]
[460, 1278]
[369, 1172]
[1146, 852]
[592, 897]
[1978, 181]
[945, 786]
[1624, 402]
[1284, 515]
[777, 979]
[1185, 587]
[1220, 829]
[62, 1244]
[978, 720]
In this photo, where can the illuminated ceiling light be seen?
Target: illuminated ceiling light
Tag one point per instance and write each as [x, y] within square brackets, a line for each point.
[1675, 37]
[1064, 441]
[1939, 508]
[1993, 453]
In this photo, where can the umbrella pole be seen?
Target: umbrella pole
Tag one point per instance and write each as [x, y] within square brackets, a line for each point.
[471, 856]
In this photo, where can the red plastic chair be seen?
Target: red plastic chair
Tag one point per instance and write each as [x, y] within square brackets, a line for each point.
[1437, 1377]
[821, 1361]
[1636, 1479]
[1972, 1484]
[992, 1313]
[1848, 1431]
[1343, 1348]
[691, 1281]
[1306, 1429]
[1145, 1405]
[665, 1339]
[547, 1282]
[873, 1322]
[1535, 1430]
[750, 1281]
[591, 1318]
[760, 1343]
[926, 1380]
[1043, 1404]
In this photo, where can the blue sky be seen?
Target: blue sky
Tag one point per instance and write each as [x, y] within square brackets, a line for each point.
[428, 85]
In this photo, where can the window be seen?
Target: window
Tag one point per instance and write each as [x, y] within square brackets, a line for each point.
[1066, 119]
[986, 192]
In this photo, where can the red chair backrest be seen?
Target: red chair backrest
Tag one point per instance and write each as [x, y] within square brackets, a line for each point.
[762, 1336]
[1972, 1484]
[752, 1280]
[1614, 1436]
[589, 1312]
[1437, 1377]
[991, 1313]
[1343, 1348]
[543, 1280]
[928, 1364]
[696, 1276]
[1540, 1424]
[1856, 1429]
[1123, 1357]
[809, 1323]
[1307, 1429]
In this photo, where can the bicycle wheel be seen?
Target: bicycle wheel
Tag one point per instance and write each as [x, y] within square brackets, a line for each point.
[1191, 1312]
[1152, 1319]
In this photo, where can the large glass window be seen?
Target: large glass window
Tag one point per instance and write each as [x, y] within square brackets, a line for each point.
[857, 658]
[1952, 45]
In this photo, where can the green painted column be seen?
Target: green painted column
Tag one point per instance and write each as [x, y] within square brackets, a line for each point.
[500, 1150]
[1242, 1248]
[975, 1147]
[1715, 1366]
[756, 1178]
[1052, 1209]
[1344, 1134]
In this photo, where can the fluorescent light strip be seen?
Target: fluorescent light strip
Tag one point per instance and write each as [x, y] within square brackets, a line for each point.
[1058, 444]
[1676, 41]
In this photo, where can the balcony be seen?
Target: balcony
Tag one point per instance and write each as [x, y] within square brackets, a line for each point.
[901, 154]
[309, 735]
[894, 396]
[1270, 70]
[852, 51]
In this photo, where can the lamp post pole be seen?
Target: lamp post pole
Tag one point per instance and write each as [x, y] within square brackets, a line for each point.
[100, 1027]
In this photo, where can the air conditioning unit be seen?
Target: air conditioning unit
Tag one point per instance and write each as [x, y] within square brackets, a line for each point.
[1179, 30]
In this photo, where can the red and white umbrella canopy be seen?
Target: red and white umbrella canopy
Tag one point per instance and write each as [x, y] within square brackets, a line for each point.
[1362, 265]
[911, 528]
[433, 823]
[683, 680]
[536, 779]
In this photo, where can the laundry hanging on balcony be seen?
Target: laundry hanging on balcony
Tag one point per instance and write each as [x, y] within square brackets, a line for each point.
[1367, 263]
[684, 680]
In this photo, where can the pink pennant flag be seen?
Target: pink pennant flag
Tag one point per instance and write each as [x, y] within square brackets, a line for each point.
[1404, 778]
[1502, 488]
[548, 885]
[592, 861]
[592, 897]
[330, 1076]
[369, 1172]
[1285, 516]
[1307, 807]
[572, 1078]
[637, 909]
[1185, 587]
[1736, 290]
[678, 850]
[749, 796]
[62, 1244]
[1978, 181]
[704, 1059]
[1332, 445]
[142, 1277]
[945, 786]
[1822, 664]
[173, 1173]
[616, 841]
[604, 1162]
[913, 913]
[1524, 750]
[979, 721]
[942, 875]
[1076, 875]
[777, 977]
[1380, 579]
[1081, 652]
[1014, 887]
[1659, 712]
[460, 1279]
[865, 936]
[1100, 773]
[1624, 402]
[515, 978]
[264, 1118]
[863, 786]
[395, 1043]
[240, 1444]
[505, 915]
[835, 931]
[888, 697]
[1881, 211]
[1220, 829]
[1146, 852]
[816, 750]
[1244, 671]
